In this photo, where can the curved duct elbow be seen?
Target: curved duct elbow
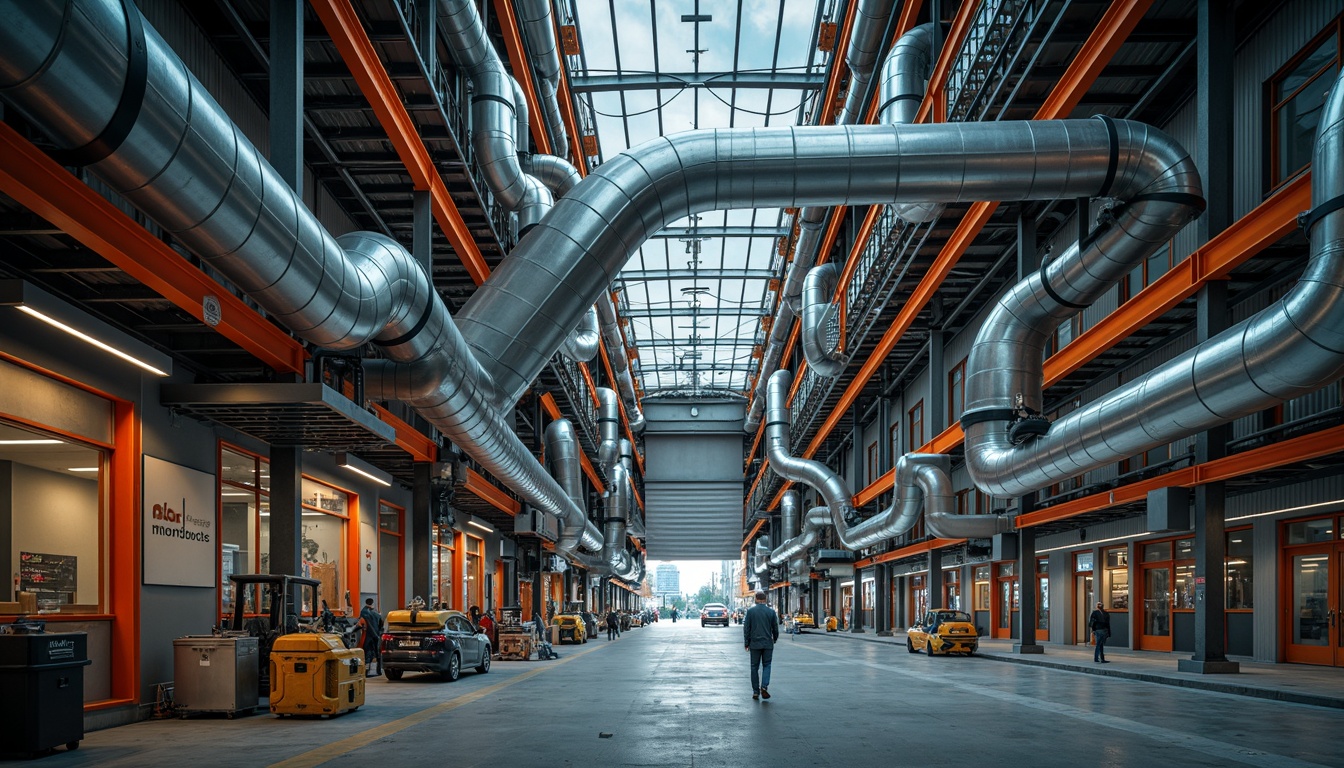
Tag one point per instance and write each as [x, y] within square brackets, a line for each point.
[815, 474]
[562, 457]
[582, 343]
[905, 77]
[609, 432]
[557, 173]
[762, 557]
[614, 526]
[821, 322]
[534, 17]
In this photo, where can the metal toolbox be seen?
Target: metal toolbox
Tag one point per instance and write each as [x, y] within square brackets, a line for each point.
[215, 674]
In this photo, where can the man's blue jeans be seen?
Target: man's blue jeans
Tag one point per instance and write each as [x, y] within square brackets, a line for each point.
[760, 668]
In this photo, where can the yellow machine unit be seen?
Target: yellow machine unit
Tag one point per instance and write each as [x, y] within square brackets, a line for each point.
[314, 674]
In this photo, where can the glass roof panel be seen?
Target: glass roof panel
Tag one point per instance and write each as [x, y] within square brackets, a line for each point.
[695, 298]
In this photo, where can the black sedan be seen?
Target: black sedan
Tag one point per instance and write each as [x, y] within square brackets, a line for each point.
[441, 642]
[714, 613]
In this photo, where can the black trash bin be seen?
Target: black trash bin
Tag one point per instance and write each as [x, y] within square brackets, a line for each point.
[42, 676]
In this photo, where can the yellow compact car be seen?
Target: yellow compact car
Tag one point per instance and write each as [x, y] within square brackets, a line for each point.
[943, 632]
[571, 629]
[804, 621]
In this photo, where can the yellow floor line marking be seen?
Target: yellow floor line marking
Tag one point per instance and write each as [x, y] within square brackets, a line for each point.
[335, 749]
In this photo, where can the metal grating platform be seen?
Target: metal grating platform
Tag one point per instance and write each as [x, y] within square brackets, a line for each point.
[309, 415]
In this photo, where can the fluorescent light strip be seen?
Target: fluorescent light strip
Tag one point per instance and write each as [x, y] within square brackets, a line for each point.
[485, 528]
[30, 442]
[372, 477]
[95, 342]
[81, 469]
[1094, 543]
[1289, 510]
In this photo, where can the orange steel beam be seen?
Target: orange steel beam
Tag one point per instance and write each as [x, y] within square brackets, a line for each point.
[951, 46]
[566, 100]
[1303, 448]
[42, 186]
[913, 549]
[752, 533]
[1252, 233]
[356, 49]
[408, 438]
[518, 62]
[1097, 51]
[592, 386]
[483, 490]
[837, 61]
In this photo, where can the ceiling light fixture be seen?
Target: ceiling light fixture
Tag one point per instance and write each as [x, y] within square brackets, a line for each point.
[40, 305]
[482, 526]
[30, 442]
[353, 463]
[81, 469]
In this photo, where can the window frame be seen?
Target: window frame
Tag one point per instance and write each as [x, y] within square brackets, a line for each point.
[1277, 176]
[915, 418]
[956, 392]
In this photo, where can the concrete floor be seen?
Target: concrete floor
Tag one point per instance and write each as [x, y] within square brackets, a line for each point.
[678, 695]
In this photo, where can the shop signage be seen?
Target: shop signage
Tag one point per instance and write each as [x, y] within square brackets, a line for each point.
[178, 525]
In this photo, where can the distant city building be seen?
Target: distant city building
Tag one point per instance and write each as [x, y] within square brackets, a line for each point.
[667, 577]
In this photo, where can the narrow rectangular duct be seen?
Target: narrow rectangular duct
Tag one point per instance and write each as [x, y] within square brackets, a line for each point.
[693, 479]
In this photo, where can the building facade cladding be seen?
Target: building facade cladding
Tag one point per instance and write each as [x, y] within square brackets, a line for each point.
[668, 579]
[1262, 637]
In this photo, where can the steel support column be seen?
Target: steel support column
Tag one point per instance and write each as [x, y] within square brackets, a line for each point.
[856, 609]
[935, 579]
[1026, 587]
[286, 521]
[286, 101]
[420, 529]
[881, 619]
[835, 600]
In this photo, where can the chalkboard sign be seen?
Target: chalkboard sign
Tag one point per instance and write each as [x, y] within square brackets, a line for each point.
[52, 577]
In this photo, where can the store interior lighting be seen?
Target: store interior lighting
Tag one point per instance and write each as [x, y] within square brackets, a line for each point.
[40, 305]
[353, 463]
[482, 526]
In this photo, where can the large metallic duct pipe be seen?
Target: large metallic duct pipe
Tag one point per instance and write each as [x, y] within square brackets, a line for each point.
[815, 521]
[821, 319]
[562, 458]
[494, 114]
[608, 431]
[534, 16]
[620, 364]
[582, 343]
[558, 174]
[627, 450]
[614, 526]
[831, 486]
[905, 78]
[1289, 349]
[516, 321]
[762, 558]
[865, 41]
[185, 164]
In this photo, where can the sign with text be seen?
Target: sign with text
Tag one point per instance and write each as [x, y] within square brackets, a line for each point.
[178, 524]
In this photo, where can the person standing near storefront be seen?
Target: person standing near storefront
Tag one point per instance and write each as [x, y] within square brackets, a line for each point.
[371, 633]
[1100, 624]
[760, 632]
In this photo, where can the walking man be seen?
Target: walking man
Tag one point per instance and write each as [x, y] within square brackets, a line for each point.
[1100, 624]
[613, 625]
[760, 632]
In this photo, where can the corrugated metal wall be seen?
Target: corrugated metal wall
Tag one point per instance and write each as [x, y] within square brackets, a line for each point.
[693, 479]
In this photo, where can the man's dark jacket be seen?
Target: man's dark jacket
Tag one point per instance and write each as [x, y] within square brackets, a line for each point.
[760, 627]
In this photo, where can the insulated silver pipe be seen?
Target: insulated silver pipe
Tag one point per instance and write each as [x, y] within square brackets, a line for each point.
[762, 557]
[620, 364]
[821, 321]
[923, 483]
[1289, 349]
[614, 526]
[557, 173]
[582, 343]
[830, 485]
[534, 17]
[627, 450]
[788, 514]
[494, 114]
[865, 42]
[815, 521]
[609, 432]
[905, 79]
[515, 322]
[562, 457]
[185, 164]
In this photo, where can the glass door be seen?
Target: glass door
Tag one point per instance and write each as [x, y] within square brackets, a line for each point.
[1155, 623]
[1314, 635]
[1084, 601]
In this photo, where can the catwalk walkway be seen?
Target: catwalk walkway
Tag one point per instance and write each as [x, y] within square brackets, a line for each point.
[678, 695]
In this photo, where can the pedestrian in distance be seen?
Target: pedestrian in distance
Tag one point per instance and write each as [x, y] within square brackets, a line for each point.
[371, 632]
[1100, 624]
[760, 632]
[613, 625]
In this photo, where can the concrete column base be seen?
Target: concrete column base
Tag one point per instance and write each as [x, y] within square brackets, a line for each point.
[1028, 649]
[856, 631]
[885, 633]
[1200, 667]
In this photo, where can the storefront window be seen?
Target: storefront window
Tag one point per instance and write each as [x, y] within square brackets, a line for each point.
[1082, 562]
[982, 588]
[1155, 553]
[1239, 570]
[325, 509]
[919, 596]
[52, 498]
[1311, 531]
[952, 589]
[475, 573]
[442, 563]
[1043, 594]
[1117, 579]
[244, 504]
